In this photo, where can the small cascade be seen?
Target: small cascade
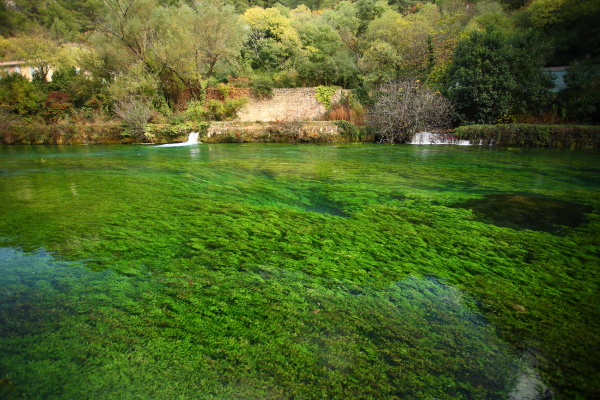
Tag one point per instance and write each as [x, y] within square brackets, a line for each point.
[192, 139]
[437, 138]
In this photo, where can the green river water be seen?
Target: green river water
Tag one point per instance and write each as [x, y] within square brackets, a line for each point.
[278, 271]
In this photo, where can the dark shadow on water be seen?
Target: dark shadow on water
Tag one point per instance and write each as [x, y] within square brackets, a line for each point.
[316, 201]
[527, 212]
[326, 209]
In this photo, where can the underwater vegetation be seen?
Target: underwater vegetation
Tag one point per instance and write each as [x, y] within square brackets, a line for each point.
[284, 271]
[527, 212]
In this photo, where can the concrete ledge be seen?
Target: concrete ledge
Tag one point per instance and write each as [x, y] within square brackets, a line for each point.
[247, 128]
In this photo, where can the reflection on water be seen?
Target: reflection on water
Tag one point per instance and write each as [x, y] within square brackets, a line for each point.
[194, 152]
[68, 332]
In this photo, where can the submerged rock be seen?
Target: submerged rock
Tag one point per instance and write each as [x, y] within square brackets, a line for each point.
[529, 384]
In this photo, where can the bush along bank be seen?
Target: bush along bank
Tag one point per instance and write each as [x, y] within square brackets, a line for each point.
[112, 131]
[580, 136]
[63, 132]
[98, 132]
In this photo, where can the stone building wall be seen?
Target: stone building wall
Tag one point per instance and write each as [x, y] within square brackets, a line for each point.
[298, 104]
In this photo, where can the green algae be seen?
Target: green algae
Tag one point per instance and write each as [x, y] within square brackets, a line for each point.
[265, 333]
[212, 264]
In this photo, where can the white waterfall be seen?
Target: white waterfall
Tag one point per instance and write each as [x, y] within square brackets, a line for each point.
[437, 138]
[192, 139]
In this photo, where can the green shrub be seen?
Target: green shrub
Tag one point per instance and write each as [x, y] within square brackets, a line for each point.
[195, 111]
[580, 102]
[19, 96]
[350, 131]
[531, 135]
[225, 110]
[324, 95]
[262, 86]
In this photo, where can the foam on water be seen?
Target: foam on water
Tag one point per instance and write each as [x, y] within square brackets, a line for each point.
[437, 138]
[192, 139]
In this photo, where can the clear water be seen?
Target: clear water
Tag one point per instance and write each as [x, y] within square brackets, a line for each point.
[296, 271]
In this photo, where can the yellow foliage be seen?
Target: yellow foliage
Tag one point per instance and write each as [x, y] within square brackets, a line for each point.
[272, 21]
[408, 35]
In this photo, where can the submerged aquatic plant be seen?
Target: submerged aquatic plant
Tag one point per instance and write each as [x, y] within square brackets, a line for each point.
[280, 271]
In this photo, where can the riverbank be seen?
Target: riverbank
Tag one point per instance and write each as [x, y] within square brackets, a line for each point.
[113, 132]
[531, 135]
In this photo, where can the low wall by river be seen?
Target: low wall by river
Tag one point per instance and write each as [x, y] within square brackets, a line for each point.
[272, 131]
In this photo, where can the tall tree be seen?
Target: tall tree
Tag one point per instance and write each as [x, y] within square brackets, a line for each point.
[325, 59]
[494, 76]
[344, 19]
[181, 45]
[573, 26]
[273, 43]
[6, 20]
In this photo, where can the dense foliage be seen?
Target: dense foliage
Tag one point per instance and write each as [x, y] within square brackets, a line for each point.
[532, 135]
[145, 60]
[494, 77]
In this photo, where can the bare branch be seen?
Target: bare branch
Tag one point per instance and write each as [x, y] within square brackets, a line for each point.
[405, 108]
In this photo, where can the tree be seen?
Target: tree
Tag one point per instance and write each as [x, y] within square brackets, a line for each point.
[581, 100]
[39, 52]
[195, 40]
[218, 34]
[545, 12]
[409, 36]
[273, 43]
[407, 107]
[324, 58]
[133, 93]
[572, 25]
[182, 46]
[19, 96]
[344, 19]
[7, 24]
[423, 41]
[380, 62]
[368, 10]
[494, 77]
[66, 18]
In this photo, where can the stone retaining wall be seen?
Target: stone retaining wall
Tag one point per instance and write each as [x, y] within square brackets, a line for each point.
[298, 104]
